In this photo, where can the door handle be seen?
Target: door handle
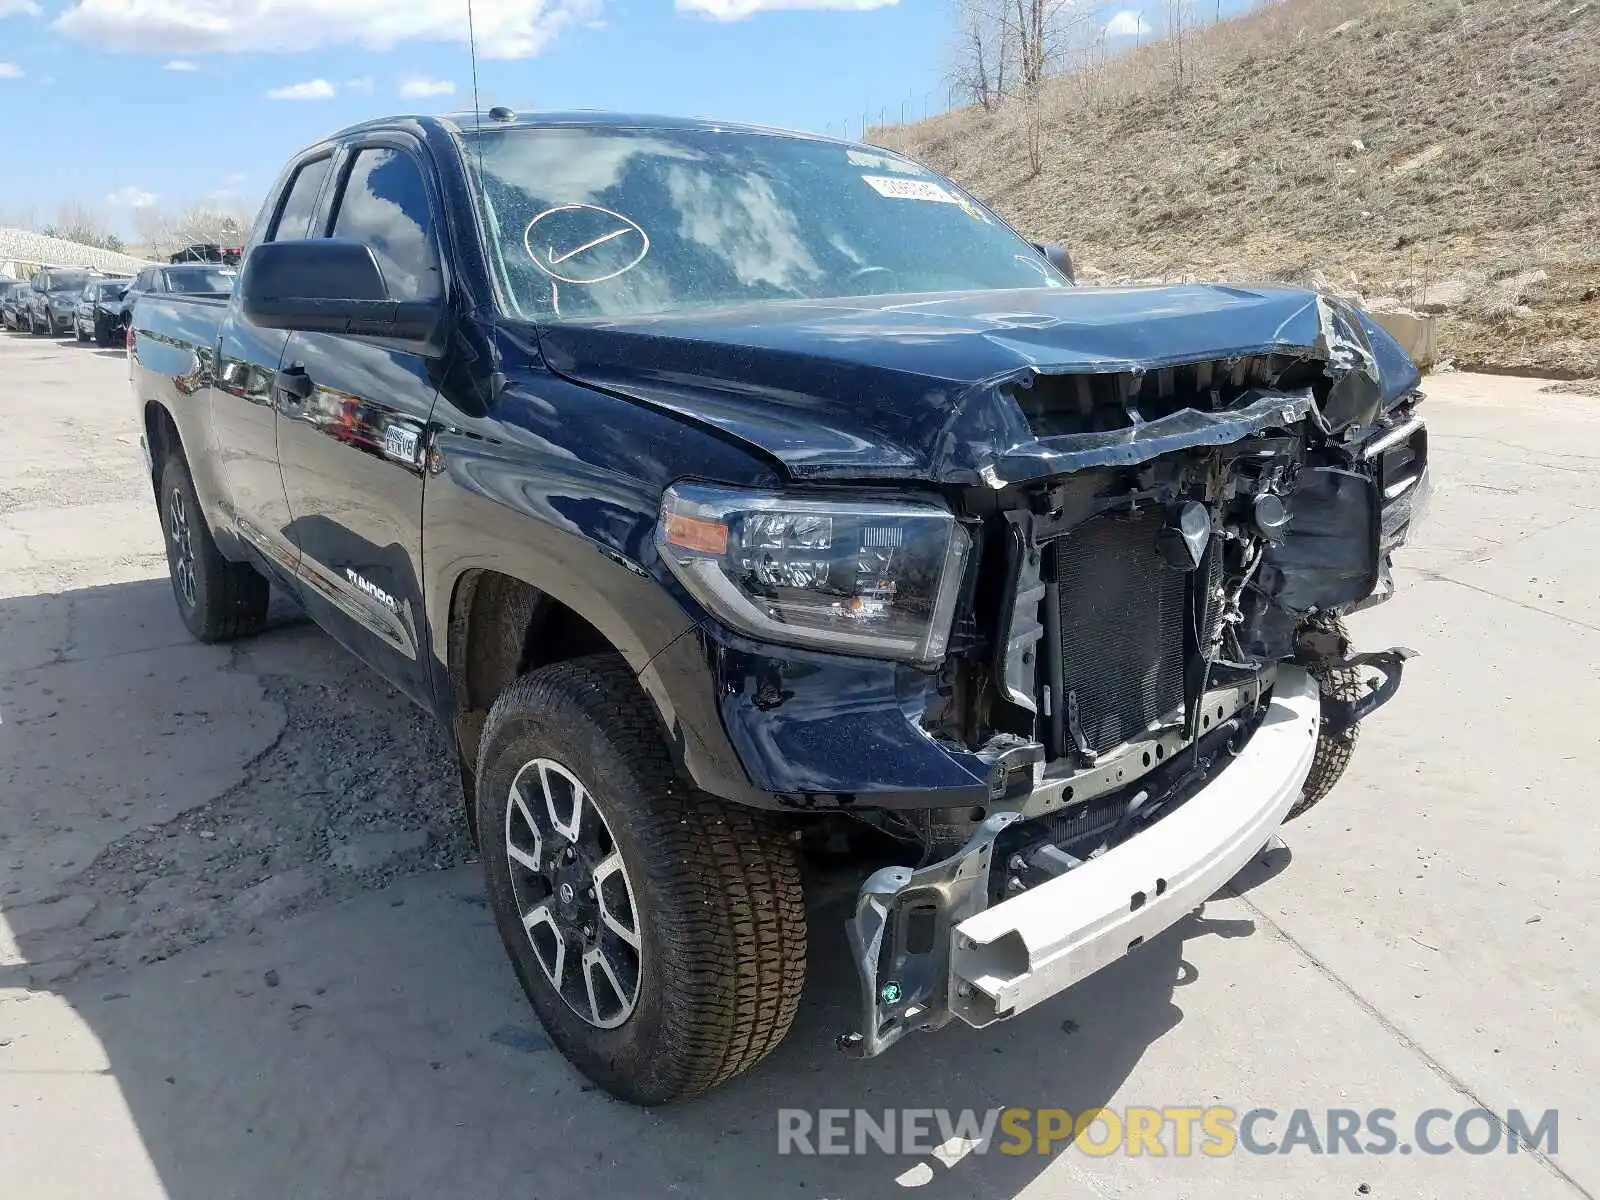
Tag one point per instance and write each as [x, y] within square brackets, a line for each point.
[294, 383]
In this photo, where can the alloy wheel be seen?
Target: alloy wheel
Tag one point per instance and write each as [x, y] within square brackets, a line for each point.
[573, 895]
[183, 545]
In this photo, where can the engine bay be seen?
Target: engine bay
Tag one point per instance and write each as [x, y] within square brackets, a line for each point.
[1118, 615]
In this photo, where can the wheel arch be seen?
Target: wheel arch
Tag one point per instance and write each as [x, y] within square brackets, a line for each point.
[501, 627]
[162, 436]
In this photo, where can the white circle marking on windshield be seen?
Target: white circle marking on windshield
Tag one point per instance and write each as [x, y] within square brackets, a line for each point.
[553, 257]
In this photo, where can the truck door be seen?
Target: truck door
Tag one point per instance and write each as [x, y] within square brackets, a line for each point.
[352, 436]
[242, 400]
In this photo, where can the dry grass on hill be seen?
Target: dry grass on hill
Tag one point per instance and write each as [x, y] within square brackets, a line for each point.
[1442, 152]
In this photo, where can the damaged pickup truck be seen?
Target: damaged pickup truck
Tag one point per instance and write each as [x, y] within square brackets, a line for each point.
[722, 488]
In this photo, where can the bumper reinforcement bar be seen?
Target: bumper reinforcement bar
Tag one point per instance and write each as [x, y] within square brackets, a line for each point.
[929, 945]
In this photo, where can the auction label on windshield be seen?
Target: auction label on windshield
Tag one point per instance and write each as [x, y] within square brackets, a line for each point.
[909, 189]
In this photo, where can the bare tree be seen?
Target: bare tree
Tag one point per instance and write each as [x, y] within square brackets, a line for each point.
[1179, 19]
[1042, 31]
[1030, 18]
[204, 223]
[982, 51]
[1011, 46]
[164, 232]
[1033, 127]
[77, 222]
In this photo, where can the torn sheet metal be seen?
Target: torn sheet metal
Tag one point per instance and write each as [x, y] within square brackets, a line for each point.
[920, 387]
[1183, 430]
[1356, 394]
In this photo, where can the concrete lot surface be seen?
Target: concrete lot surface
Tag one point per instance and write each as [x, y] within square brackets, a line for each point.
[244, 951]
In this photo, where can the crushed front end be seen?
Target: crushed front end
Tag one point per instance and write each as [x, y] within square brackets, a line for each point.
[1145, 659]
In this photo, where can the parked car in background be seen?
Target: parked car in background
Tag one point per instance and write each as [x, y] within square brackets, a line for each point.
[208, 252]
[99, 313]
[188, 279]
[53, 298]
[11, 291]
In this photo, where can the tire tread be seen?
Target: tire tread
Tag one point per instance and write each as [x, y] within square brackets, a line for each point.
[736, 935]
[1333, 753]
[235, 595]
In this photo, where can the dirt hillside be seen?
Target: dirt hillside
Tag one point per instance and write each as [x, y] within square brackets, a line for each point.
[1443, 154]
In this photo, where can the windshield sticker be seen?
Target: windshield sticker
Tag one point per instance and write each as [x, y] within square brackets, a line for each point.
[908, 189]
[882, 162]
[584, 243]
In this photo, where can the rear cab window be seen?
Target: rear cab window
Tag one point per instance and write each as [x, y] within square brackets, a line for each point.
[293, 221]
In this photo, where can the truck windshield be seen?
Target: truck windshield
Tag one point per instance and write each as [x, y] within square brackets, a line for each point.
[603, 222]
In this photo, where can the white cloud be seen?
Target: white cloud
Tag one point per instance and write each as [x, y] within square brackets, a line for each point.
[129, 196]
[1128, 23]
[505, 28]
[418, 87]
[737, 10]
[312, 89]
[180, 64]
[10, 70]
[13, 7]
[363, 86]
[228, 189]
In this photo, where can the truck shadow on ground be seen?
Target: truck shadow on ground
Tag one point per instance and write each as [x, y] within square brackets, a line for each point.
[380, 1046]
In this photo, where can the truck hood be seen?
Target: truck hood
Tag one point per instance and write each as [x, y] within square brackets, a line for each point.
[925, 387]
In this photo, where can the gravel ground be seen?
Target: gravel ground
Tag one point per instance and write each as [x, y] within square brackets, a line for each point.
[352, 787]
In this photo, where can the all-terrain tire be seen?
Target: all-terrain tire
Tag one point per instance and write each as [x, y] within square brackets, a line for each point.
[719, 909]
[1333, 752]
[219, 600]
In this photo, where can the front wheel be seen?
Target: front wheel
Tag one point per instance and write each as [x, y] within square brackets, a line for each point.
[218, 600]
[658, 932]
[1334, 751]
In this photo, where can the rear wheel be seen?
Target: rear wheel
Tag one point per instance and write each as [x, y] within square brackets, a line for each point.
[218, 600]
[658, 932]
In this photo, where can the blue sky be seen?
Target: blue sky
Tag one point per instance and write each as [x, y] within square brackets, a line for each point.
[115, 103]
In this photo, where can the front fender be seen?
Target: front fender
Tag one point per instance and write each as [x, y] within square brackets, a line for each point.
[560, 487]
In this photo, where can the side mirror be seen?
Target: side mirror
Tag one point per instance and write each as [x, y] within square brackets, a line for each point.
[328, 285]
[1056, 255]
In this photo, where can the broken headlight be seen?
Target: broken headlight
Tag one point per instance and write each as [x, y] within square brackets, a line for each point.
[877, 578]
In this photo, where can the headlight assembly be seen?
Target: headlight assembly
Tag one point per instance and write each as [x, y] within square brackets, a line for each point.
[869, 577]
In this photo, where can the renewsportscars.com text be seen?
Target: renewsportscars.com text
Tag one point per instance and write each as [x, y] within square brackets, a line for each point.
[1179, 1130]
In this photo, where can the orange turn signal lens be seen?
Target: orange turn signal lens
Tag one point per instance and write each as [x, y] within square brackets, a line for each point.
[696, 533]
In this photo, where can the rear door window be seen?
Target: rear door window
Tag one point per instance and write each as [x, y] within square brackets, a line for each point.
[300, 205]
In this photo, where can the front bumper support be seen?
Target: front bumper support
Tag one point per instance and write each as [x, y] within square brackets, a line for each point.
[929, 945]
[1341, 716]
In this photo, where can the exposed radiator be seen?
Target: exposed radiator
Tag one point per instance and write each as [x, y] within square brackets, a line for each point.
[1122, 628]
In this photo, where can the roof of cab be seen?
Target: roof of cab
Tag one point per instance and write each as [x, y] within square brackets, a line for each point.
[470, 120]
